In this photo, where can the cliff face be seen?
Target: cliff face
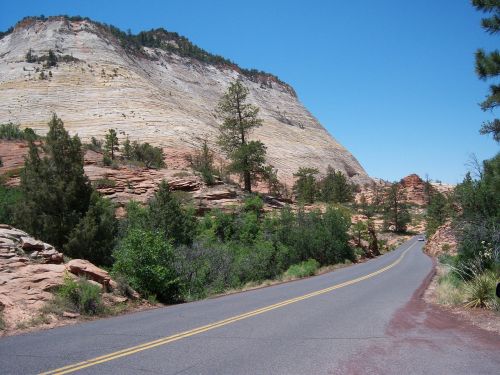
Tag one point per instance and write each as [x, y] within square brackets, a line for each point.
[155, 96]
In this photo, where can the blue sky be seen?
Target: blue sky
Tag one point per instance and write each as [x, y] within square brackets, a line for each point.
[393, 81]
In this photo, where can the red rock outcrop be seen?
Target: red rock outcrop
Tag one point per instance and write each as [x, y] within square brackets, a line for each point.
[444, 240]
[30, 270]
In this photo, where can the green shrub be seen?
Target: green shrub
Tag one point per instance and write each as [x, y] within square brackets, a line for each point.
[303, 269]
[205, 268]
[480, 291]
[106, 160]
[167, 216]
[9, 198]
[449, 290]
[94, 237]
[202, 161]
[143, 154]
[104, 183]
[81, 296]
[2, 322]
[253, 204]
[147, 260]
[11, 131]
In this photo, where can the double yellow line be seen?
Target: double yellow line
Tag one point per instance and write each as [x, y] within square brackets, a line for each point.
[166, 340]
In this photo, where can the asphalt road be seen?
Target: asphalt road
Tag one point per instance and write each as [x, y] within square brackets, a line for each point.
[364, 319]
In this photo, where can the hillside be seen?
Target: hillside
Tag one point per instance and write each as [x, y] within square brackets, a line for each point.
[164, 94]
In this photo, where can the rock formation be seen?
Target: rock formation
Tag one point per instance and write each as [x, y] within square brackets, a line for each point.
[443, 241]
[30, 270]
[153, 95]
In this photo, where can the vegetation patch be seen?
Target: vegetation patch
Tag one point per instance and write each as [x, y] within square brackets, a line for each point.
[303, 269]
[103, 183]
[80, 296]
[12, 131]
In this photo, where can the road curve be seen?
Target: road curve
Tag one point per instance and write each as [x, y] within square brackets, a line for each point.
[364, 319]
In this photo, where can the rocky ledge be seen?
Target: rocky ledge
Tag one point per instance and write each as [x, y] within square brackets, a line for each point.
[30, 270]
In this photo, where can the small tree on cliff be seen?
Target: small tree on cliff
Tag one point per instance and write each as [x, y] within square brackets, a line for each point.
[111, 144]
[239, 118]
[56, 192]
[395, 209]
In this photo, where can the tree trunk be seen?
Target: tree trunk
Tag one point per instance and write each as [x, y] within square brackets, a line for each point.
[247, 181]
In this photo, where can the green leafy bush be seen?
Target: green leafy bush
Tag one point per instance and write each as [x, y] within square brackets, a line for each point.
[147, 261]
[303, 269]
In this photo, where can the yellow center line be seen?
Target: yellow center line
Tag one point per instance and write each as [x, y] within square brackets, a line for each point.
[166, 340]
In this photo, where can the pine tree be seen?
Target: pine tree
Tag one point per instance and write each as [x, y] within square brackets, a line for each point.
[488, 64]
[94, 237]
[111, 144]
[56, 192]
[335, 187]
[395, 209]
[239, 118]
[305, 188]
[168, 217]
[127, 150]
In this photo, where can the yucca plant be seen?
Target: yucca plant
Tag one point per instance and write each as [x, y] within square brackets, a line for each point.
[480, 291]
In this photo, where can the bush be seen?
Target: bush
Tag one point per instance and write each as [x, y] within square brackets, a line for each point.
[168, 217]
[147, 261]
[202, 161]
[94, 237]
[480, 291]
[151, 156]
[104, 183]
[323, 237]
[81, 296]
[449, 290]
[11, 131]
[303, 269]
[205, 268]
[253, 204]
[9, 198]
[106, 160]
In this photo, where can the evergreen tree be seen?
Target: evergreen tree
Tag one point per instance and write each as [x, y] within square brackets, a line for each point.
[151, 156]
[437, 212]
[488, 64]
[305, 188]
[111, 144]
[30, 58]
[55, 191]
[239, 118]
[127, 150]
[51, 59]
[270, 176]
[395, 209]
[335, 188]
[94, 238]
[168, 217]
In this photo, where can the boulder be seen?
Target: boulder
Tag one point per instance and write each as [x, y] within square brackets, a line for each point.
[84, 268]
